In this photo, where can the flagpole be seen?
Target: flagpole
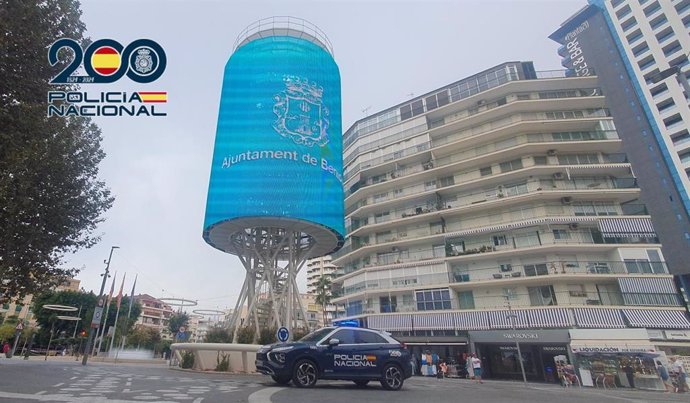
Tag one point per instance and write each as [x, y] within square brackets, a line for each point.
[105, 320]
[117, 315]
[129, 313]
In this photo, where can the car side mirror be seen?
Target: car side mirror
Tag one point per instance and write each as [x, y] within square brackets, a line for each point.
[333, 342]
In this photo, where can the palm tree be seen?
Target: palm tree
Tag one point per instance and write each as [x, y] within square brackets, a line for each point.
[323, 293]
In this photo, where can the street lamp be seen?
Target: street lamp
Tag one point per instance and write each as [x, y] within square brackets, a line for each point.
[99, 308]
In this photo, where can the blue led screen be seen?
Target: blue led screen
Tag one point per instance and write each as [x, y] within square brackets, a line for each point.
[278, 148]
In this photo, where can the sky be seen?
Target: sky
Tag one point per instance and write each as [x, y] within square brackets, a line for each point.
[158, 168]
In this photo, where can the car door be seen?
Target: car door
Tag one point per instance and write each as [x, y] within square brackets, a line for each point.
[376, 349]
[340, 361]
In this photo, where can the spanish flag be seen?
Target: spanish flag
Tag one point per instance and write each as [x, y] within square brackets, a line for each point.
[106, 60]
[153, 96]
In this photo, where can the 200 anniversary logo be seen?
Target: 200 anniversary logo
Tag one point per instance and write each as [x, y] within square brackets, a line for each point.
[106, 61]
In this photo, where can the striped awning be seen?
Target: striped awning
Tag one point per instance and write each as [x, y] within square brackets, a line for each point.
[500, 319]
[391, 322]
[657, 319]
[602, 318]
[559, 317]
[626, 227]
[473, 320]
[433, 321]
[519, 224]
[647, 285]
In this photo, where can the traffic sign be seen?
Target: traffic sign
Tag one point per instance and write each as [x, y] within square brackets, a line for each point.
[20, 326]
[97, 314]
[283, 334]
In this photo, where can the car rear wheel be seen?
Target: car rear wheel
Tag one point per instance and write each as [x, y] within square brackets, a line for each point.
[361, 382]
[392, 377]
[304, 374]
[281, 380]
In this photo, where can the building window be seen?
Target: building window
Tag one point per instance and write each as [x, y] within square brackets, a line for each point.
[354, 308]
[540, 160]
[664, 34]
[652, 8]
[506, 267]
[511, 165]
[466, 300]
[542, 296]
[671, 48]
[638, 266]
[500, 240]
[485, 171]
[561, 234]
[658, 21]
[536, 270]
[388, 304]
[433, 300]
[510, 293]
[577, 290]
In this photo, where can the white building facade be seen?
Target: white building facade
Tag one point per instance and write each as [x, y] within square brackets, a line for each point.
[500, 200]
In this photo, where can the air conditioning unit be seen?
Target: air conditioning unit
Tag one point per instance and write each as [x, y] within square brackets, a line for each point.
[551, 152]
[566, 200]
[558, 175]
[573, 226]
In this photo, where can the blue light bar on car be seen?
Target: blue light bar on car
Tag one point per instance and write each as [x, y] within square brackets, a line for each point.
[347, 323]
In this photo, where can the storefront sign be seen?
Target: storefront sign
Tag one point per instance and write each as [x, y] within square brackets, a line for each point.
[527, 336]
[612, 349]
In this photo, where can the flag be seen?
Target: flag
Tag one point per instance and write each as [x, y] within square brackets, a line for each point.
[133, 286]
[149, 96]
[112, 289]
[119, 295]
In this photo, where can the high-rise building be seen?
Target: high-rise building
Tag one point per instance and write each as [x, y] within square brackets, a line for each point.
[638, 50]
[155, 314]
[501, 201]
[317, 268]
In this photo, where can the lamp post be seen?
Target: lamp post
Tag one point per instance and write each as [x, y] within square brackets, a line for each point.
[512, 318]
[99, 309]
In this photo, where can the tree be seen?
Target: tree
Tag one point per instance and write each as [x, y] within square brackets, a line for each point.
[218, 335]
[144, 337]
[47, 319]
[51, 199]
[178, 320]
[323, 294]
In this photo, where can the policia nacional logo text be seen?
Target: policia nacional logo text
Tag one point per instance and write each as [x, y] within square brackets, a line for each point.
[354, 360]
[106, 61]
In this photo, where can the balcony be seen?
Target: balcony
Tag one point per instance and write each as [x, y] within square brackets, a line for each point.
[476, 152]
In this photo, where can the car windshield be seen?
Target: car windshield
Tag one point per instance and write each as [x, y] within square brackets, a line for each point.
[316, 335]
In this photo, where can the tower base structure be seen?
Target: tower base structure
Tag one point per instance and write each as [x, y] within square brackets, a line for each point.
[272, 257]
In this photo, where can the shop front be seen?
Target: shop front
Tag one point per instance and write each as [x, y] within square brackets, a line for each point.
[616, 358]
[498, 351]
[429, 352]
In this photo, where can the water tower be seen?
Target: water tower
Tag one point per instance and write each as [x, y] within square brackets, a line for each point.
[275, 196]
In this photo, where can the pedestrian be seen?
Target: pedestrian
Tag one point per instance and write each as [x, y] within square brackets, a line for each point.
[6, 349]
[681, 375]
[443, 370]
[477, 368]
[663, 374]
[413, 363]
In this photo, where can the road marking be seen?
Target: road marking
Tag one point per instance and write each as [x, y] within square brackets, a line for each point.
[73, 378]
[263, 395]
[41, 392]
[198, 400]
[58, 384]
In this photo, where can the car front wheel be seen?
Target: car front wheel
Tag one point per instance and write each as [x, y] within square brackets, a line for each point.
[392, 377]
[304, 374]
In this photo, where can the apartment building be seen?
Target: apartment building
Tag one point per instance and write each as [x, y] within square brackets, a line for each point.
[23, 309]
[639, 51]
[316, 269]
[155, 314]
[501, 201]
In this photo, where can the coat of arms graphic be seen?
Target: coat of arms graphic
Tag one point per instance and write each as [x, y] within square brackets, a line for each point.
[300, 112]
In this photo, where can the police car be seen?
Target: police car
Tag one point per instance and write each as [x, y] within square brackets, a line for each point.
[347, 353]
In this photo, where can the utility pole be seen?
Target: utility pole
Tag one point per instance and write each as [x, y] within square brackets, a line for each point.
[99, 309]
[512, 317]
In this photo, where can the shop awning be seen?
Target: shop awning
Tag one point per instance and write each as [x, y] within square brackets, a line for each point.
[626, 227]
[477, 320]
[433, 321]
[559, 317]
[598, 318]
[657, 319]
[647, 285]
[519, 224]
[391, 323]
[500, 319]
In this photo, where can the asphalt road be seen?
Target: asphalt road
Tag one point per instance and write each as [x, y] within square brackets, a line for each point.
[69, 381]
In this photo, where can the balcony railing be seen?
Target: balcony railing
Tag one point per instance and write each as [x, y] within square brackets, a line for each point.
[501, 242]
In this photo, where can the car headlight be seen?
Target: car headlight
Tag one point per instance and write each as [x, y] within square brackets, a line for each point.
[277, 357]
